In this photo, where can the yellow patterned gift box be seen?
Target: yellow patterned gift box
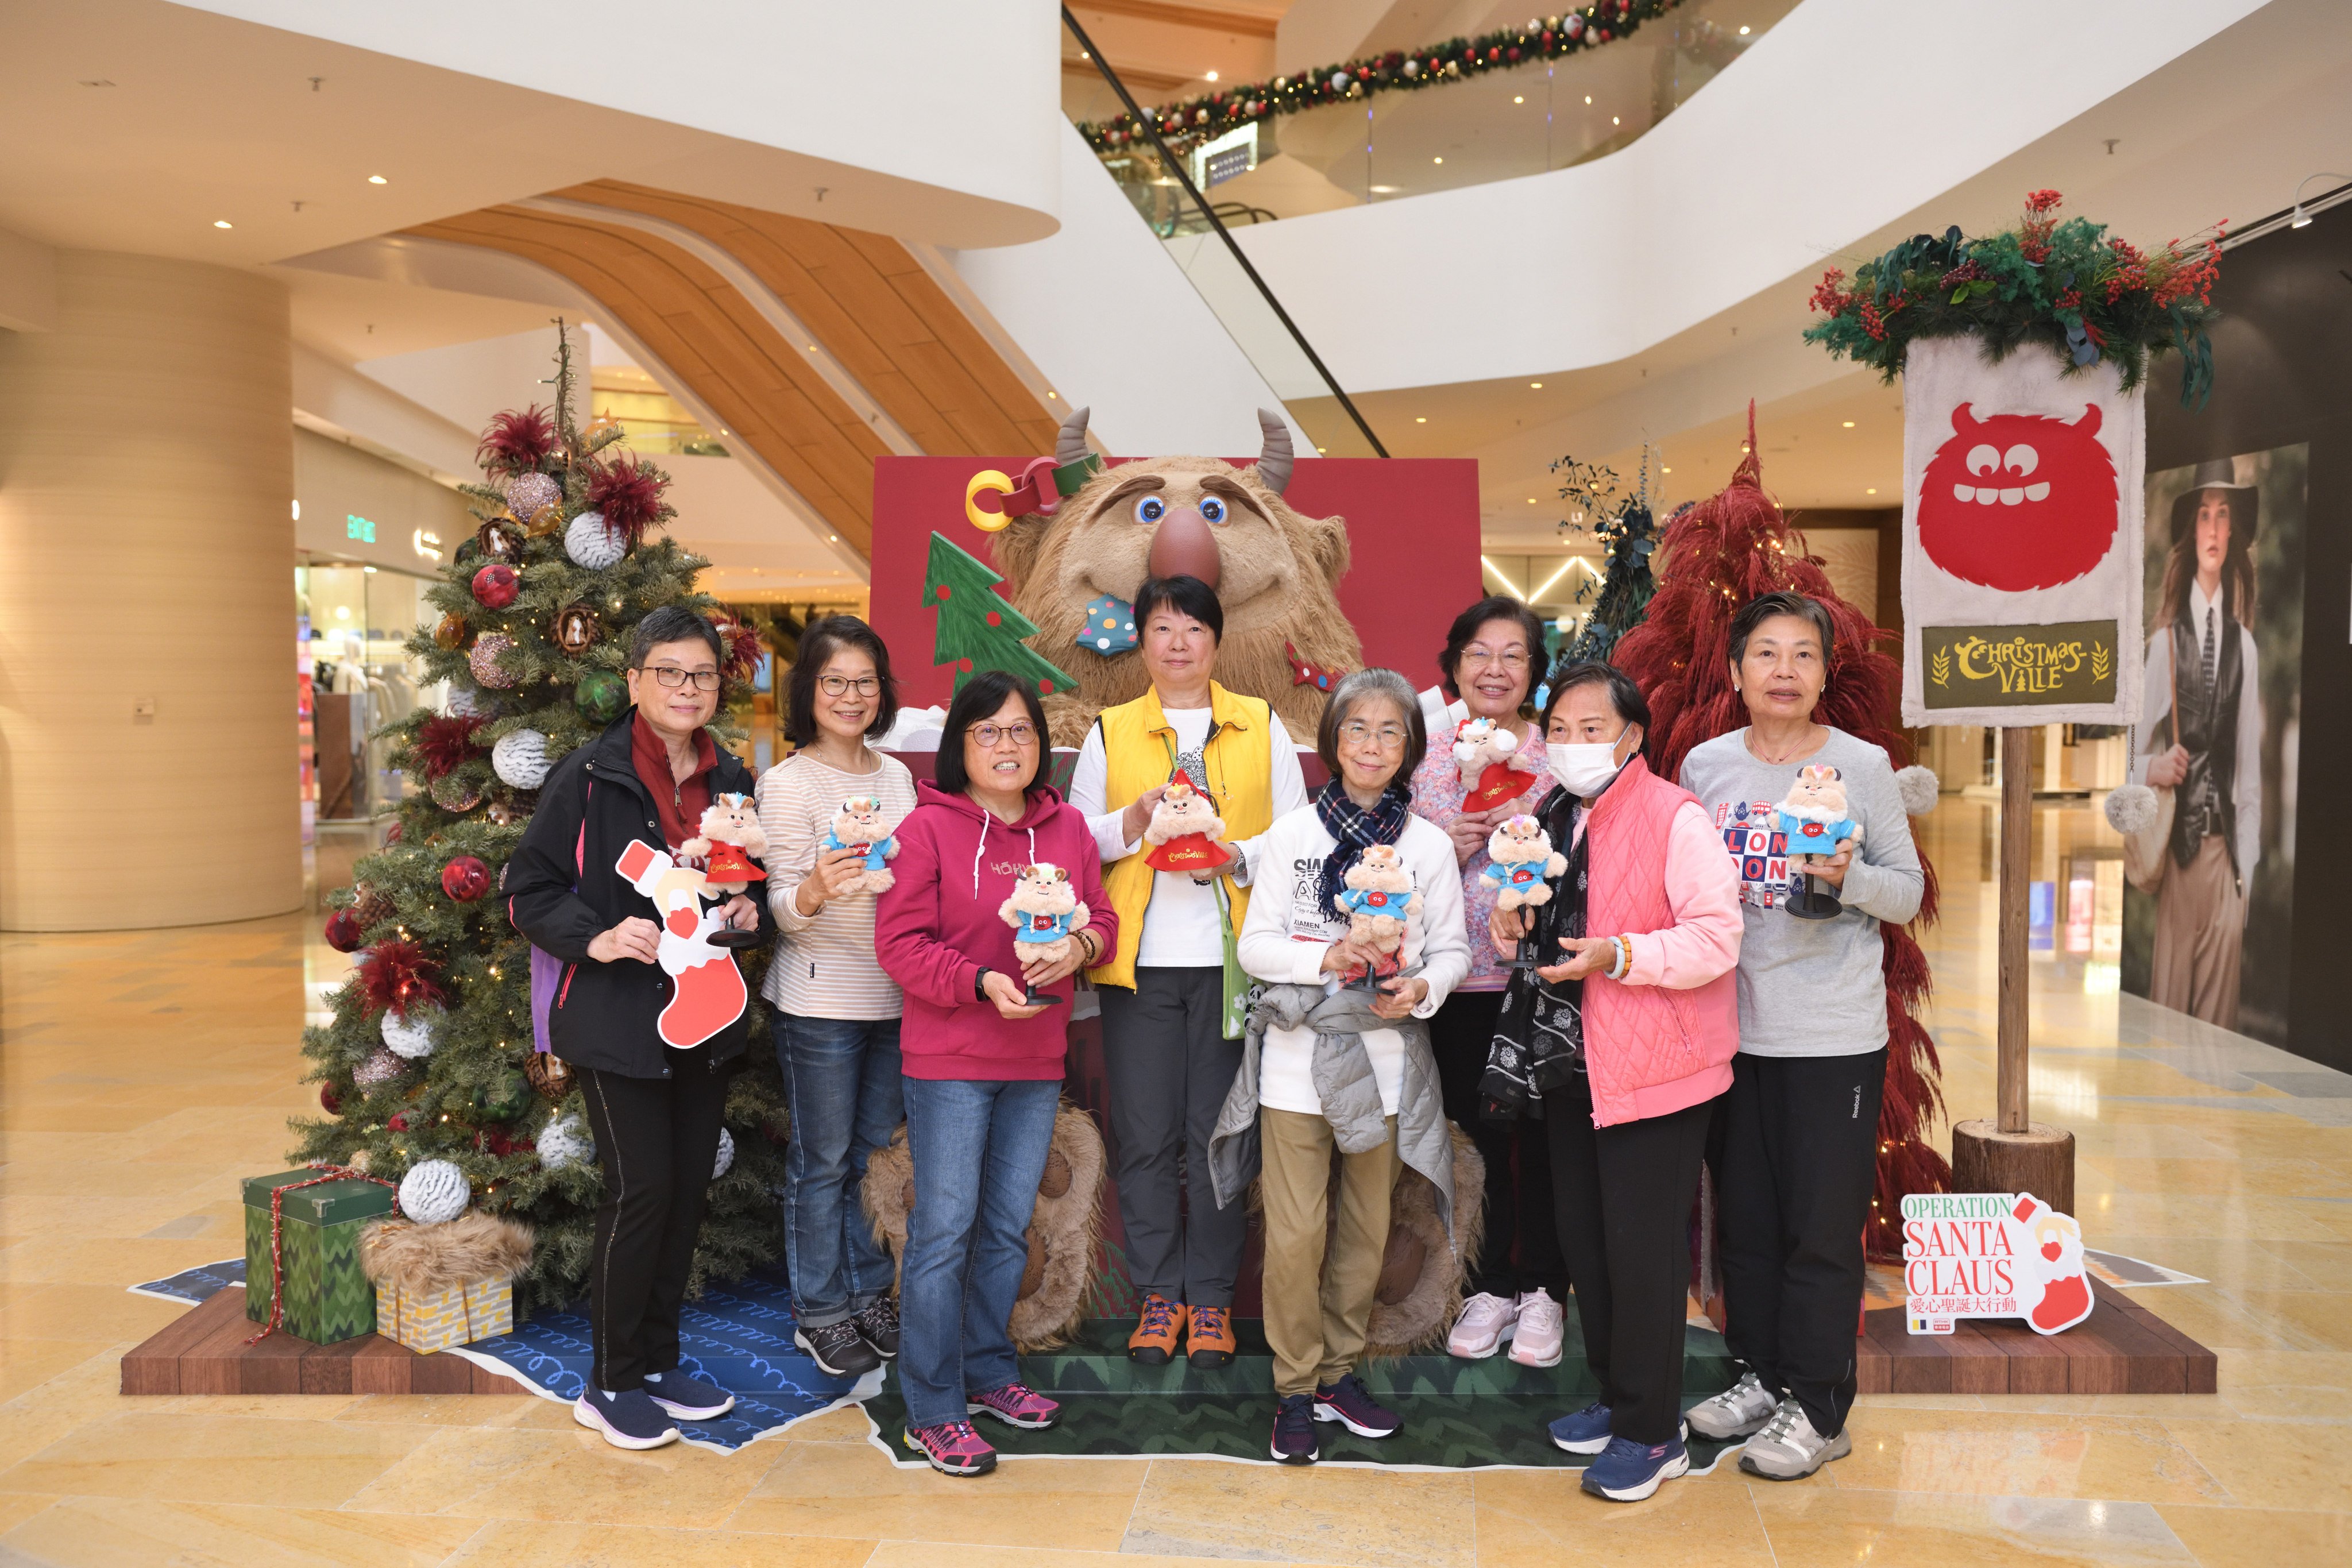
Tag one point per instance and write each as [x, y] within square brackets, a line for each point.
[457, 1316]
[448, 1284]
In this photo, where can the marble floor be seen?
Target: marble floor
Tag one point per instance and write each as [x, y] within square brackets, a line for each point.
[141, 1074]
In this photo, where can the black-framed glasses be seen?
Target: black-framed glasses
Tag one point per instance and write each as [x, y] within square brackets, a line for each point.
[671, 677]
[1022, 735]
[842, 685]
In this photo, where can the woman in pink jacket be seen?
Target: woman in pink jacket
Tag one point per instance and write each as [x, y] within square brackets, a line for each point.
[984, 1064]
[1627, 1034]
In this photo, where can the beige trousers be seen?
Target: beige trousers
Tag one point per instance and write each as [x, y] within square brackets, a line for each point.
[2200, 932]
[1316, 1316]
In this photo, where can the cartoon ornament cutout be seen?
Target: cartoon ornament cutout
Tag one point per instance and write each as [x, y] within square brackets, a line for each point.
[1111, 626]
[709, 993]
[2019, 502]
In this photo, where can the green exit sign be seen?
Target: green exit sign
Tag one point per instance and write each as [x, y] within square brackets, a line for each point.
[359, 528]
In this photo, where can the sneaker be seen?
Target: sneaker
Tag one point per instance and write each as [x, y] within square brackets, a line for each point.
[1742, 1408]
[1789, 1450]
[1484, 1323]
[1016, 1405]
[689, 1398]
[1349, 1403]
[1293, 1430]
[1542, 1332]
[630, 1420]
[838, 1348]
[953, 1448]
[1208, 1338]
[1585, 1432]
[1628, 1471]
[1154, 1340]
[877, 1324]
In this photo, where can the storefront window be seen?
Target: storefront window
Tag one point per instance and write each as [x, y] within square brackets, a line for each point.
[358, 619]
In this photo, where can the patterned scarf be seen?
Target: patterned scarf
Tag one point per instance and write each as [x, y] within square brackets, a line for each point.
[1354, 830]
[1538, 1043]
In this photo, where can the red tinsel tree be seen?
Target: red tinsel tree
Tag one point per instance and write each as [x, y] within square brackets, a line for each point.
[1718, 555]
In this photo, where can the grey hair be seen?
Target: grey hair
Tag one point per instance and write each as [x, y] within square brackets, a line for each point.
[1353, 692]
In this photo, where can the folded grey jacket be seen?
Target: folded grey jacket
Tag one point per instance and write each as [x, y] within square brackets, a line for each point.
[1342, 1070]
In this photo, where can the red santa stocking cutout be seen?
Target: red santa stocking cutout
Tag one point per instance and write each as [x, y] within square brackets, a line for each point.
[706, 993]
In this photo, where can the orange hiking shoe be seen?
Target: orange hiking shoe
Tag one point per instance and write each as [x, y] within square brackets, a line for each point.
[1154, 1340]
[1209, 1341]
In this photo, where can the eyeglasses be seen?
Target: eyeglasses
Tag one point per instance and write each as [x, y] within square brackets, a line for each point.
[671, 677]
[1355, 732]
[1021, 735]
[1510, 659]
[838, 685]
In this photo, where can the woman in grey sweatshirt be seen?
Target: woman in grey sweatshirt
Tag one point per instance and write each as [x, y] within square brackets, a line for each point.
[1801, 1123]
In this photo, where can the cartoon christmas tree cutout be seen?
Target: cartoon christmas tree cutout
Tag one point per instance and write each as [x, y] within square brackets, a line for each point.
[977, 630]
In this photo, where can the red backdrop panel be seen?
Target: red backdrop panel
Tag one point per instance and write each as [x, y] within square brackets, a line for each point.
[1413, 523]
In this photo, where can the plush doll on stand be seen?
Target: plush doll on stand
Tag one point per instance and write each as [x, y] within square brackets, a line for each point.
[1521, 864]
[1185, 832]
[1043, 910]
[729, 837]
[858, 825]
[1488, 753]
[1378, 900]
[1817, 824]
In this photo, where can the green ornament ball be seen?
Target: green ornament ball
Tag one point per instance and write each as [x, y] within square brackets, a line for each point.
[505, 1098]
[600, 696]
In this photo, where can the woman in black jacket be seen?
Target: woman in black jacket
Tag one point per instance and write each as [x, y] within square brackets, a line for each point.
[647, 1012]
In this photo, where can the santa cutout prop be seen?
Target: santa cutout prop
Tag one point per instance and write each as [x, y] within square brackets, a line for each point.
[709, 993]
[1992, 1255]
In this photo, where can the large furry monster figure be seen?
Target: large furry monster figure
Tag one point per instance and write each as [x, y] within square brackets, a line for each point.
[1276, 571]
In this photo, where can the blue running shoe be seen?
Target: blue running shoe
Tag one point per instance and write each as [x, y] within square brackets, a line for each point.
[689, 1398]
[1628, 1471]
[630, 1420]
[1585, 1432]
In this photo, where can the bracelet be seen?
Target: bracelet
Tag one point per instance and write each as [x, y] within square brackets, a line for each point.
[1624, 964]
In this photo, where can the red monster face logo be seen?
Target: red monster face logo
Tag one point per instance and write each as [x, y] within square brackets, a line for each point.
[2019, 500]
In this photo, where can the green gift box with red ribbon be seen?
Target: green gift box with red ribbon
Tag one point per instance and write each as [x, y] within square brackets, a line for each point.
[328, 1297]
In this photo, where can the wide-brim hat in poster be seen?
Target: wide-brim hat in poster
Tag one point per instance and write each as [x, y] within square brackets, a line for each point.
[2021, 538]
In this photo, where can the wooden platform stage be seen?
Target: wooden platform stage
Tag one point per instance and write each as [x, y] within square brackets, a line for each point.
[203, 1351]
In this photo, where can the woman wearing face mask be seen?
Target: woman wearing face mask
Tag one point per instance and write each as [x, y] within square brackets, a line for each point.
[1626, 1034]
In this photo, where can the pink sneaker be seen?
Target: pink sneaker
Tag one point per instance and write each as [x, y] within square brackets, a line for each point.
[1479, 1333]
[952, 1447]
[1543, 1328]
[1016, 1405]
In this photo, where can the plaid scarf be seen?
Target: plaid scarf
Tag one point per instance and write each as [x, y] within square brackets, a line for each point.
[1354, 830]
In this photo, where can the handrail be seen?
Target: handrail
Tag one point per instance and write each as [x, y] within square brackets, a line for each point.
[1183, 176]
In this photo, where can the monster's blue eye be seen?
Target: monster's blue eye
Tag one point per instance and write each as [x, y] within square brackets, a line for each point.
[1151, 509]
[1213, 509]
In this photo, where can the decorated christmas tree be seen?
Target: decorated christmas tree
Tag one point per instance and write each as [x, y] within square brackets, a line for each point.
[430, 1053]
[978, 630]
[1718, 555]
[1628, 535]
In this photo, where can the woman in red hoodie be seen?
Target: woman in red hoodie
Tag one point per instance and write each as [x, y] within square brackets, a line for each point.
[983, 1065]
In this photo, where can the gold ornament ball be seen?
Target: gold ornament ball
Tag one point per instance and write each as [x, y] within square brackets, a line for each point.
[451, 633]
[547, 520]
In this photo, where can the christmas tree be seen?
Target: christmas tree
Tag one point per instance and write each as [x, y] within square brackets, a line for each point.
[977, 630]
[430, 1053]
[1627, 540]
[1718, 555]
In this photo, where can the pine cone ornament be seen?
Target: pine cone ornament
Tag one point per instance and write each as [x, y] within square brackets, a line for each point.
[549, 1074]
[500, 538]
[370, 905]
[576, 630]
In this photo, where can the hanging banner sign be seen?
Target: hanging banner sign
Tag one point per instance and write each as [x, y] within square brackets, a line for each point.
[1992, 1255]
[2023, 502]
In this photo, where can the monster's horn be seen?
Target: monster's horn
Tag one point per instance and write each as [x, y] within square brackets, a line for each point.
[1274, 457]
[1071, 444]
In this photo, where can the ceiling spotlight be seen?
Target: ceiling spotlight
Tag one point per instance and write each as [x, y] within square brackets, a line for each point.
[1519, 101]
[1420, 419]
[1743, 32]
[1849, 424]
[1871, 491]
[1615, 120]
[1437, 160]
[223, 223]
[1213, 76]
[1535, 386]
[378, 180]
[1587, 98]
[2301, 219]
[1666, 470]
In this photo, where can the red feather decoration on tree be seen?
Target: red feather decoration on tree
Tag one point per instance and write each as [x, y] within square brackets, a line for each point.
[741, 641]
[517, 442]
[627, 493]
[446, 743]
[1717, 556]
[396, 976]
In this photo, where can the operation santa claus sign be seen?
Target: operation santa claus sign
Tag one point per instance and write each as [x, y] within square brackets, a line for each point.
[1992, 1255]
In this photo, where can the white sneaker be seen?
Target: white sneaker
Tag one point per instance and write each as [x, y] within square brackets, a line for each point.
[1542, 1329]
[1486, 1321]
[1742, 1408]
[1789, 1450]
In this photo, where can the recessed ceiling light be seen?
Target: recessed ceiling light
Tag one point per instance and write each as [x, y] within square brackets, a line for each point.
[833, 538]
[1871, 491]
[1535, 386]
[223, 223]
[1319, 451]
[1849, 424]
[1666, 470]
[378, 180]
[1615, 120]
[1437, 160]
[1531, 500]
[1519, 101]
[1587, 98]
[1420, 419]
[1743, 32]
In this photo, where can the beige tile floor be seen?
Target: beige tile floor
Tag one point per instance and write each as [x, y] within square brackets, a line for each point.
[141, 1074]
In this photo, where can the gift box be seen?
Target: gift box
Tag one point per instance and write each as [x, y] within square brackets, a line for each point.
[456, 1315]
[328, 1296]
[446, 1284]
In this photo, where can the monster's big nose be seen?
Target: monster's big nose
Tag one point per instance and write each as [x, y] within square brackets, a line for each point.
[1182, 546]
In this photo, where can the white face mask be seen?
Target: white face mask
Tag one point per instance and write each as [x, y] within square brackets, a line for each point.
[1585, 768]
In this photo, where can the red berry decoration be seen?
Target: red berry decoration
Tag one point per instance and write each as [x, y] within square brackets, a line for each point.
[343, 932]
[465, 879]
[496, 585]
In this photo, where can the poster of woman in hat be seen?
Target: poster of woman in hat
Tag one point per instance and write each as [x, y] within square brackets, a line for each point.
[2211, 887]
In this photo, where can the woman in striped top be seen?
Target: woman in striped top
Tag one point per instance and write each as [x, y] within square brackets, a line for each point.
[836, 1028]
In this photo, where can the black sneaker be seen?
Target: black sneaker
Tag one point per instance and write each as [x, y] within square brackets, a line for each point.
[878, 1323]
[838, 1348]
[1352, 1404]
[630, 1420]
[688, 1397]
[1293, 1430]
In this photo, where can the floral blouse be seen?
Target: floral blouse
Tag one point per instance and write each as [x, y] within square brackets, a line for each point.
[1437, 791]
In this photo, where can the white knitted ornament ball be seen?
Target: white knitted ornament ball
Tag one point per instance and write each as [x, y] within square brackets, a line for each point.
[526, 493]
[566, 1142]
[414, 1036]
[2131, 808]
[471, 702]
[1918, 788]
[591, 545]
[726, 1154]
[434, 1192]
[521, 759]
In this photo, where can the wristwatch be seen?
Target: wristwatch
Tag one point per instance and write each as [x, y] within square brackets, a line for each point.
[980, 983]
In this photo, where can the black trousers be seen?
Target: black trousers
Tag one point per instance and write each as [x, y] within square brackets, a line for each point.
[1519, 1251]
[1169, 1068]
[1800, 1159]
[1624, 1197]
[656, 1139]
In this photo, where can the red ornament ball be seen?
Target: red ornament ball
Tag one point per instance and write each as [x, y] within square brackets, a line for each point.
[465, 879]
[343, 931]
[496, 585]
[398, 1123]
[329, 1100]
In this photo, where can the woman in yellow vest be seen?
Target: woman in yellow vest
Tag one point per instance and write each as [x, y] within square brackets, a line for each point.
[1171, 1015]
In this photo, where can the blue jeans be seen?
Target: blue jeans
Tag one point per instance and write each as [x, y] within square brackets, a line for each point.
[841, 1076]
[980, 1152]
